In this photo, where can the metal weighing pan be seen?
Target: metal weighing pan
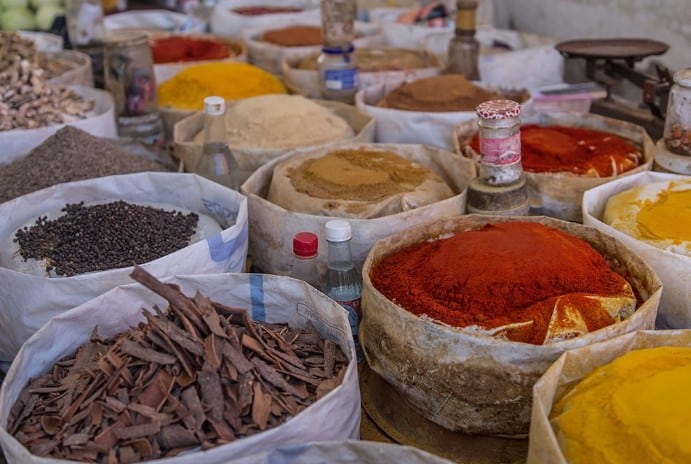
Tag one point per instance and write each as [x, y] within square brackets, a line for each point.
[617, 49]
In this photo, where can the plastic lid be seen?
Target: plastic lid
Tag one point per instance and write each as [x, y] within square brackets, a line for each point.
[498, 109]
[305, 244]
[338, 51]
[214, 106]
[338, 230]
[683, 77]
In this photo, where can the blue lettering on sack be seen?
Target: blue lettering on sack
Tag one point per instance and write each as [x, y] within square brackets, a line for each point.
[257, 297]
[226, 214]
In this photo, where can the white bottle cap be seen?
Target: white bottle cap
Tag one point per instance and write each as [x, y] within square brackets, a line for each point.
[214, 106]
[338, 230]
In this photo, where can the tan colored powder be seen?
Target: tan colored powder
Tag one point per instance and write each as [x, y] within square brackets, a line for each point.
[380, 59]
[282, 122]
[363, 175]
[294, 36]
[445, 93]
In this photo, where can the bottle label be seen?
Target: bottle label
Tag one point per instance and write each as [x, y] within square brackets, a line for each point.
[340, 79]
[354, 315]
[501, 151]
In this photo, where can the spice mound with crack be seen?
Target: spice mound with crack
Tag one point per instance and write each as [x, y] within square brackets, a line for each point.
[196, 376]
[27, 101]
[519, 281]
[101, 236]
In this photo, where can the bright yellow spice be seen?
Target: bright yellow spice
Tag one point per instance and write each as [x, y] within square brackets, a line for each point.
[186, 91]
[634, 410]
[668, 217]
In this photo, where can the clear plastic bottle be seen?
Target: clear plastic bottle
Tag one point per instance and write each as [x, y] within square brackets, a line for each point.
[343, 282]
[338, 73]
[305, 246]
[500, 142]
[216, 161]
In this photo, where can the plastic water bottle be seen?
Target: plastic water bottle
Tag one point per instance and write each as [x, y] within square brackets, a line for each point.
[343, 282]
[217, 162]
[305, 245]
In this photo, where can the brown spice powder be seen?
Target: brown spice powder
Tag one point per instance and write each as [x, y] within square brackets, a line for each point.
[294, 36]
[445, 93]
[362, 175]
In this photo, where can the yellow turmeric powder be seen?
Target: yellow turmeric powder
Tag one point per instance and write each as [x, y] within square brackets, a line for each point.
[187, 89]
[632, 410]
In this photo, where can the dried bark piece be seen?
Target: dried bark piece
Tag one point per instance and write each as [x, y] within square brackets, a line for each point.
[147, 354]
[261, 406]
[138, 431]
[274, 378]
[176, 436]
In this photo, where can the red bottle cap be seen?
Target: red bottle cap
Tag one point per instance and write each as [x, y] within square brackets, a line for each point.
[305, 244]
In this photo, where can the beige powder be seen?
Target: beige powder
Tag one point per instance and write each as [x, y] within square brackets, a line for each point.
[281, 122]
[364, 175]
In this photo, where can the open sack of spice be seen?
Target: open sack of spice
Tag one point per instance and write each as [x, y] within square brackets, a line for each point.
[66, 244]
[174, 52]
[649, 212]
[231, 17]
[426, 110]
[388, 66]
[461, 316]
[202, 368]
[262, 128]
[269, 45]
[620, 400]
[565, 154]
[32, 108]
[380, 188]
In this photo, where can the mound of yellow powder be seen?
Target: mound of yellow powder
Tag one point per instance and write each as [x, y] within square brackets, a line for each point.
[634, 410]
[282, 122]
[658, 213]
[232, 81]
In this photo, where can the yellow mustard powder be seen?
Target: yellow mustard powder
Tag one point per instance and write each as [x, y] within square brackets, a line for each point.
[634, 410]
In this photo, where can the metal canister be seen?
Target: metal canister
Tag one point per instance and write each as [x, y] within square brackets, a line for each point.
[129, 76]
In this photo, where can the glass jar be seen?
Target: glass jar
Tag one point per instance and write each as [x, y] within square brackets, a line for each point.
[129, 76]
[338, 22]
[500, 142]
[338, 74]
[677, 132]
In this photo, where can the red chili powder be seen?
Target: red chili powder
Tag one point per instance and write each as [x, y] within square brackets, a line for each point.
[573, 149]
[499, 274]
[175, 49]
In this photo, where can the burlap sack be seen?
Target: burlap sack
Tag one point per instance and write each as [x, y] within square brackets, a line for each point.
[284, 194]
[560, 195]
[569, 369]
[471, 382]
[272, 227]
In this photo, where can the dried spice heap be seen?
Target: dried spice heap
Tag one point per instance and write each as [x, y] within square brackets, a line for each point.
[68, 155]
[105, 236]
[201, 375]
[27, 101]
[518, 280]
[577, 150]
